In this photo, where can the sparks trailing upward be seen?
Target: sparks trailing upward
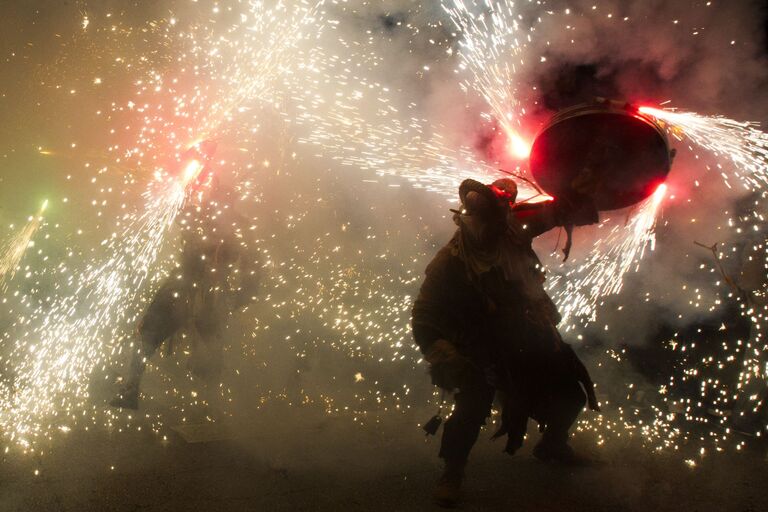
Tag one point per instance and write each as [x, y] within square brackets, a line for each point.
[54, 360]
[491, 49]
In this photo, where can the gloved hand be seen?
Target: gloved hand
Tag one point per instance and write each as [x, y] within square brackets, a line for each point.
[447, 367]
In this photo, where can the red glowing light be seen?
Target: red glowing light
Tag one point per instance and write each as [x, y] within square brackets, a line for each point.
[650, 111]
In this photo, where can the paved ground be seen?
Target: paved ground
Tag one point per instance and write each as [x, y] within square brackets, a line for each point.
[327, 464]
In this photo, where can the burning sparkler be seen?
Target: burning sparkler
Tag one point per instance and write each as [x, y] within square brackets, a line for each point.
[491, 49]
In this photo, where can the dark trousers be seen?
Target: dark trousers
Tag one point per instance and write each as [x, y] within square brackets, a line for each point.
[555, 405]
[558, 409]
[473, 406]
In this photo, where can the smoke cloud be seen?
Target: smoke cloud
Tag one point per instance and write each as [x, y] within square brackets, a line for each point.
[344, 248]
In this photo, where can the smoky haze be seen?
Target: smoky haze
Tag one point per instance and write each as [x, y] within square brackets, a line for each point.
[343, 256]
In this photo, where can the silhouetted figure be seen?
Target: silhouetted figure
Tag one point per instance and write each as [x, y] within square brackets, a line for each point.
[485, 324]
[216, 274]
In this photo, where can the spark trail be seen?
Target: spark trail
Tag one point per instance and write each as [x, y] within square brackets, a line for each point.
[743, 143]
[578, 291]
[53, 363]
[17, 247]
[492, 50]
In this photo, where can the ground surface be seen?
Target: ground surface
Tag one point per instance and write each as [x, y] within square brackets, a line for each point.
[330, 465]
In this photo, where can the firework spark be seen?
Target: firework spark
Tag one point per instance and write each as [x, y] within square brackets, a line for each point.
[578, 291]
[743, 143]
[492, 50]
[17, 247]
[53, 362]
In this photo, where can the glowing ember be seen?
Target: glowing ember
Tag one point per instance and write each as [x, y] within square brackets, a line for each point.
[192, 171]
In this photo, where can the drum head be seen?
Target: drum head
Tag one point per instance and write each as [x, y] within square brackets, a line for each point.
[625, 152]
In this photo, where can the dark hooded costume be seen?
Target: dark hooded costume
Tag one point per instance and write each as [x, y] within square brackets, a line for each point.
[216, 274]
[484, 294]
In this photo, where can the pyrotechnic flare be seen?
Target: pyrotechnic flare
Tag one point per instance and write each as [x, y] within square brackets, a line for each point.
[578, 291]
[491, 49]
[14, 252]
[52, 362]
[743, 143]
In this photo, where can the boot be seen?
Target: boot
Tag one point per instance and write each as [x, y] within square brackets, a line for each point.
[447, 492]
[557, 450]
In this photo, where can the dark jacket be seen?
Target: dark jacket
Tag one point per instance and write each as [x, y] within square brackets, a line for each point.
[505, 326]
[464, 308]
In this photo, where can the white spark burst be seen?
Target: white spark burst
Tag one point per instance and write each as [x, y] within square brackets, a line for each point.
[11, 256]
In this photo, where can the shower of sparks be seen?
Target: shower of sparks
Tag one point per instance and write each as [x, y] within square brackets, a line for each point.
[225, 73]
[53, 361]
[345, 287]
[731, 381]
[743, 143]
[578, 291]
[17, 247]
[352, 118]
[492, 50]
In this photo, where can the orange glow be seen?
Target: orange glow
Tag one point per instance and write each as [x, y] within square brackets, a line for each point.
[191, 171]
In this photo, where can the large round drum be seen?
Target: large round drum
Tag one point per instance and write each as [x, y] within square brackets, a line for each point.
[607, 150]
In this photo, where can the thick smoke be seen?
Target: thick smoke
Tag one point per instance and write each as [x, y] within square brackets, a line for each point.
[329, 234]
[701, 56]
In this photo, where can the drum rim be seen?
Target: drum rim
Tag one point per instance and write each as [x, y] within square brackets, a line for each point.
[605, 107]
[601, 106]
